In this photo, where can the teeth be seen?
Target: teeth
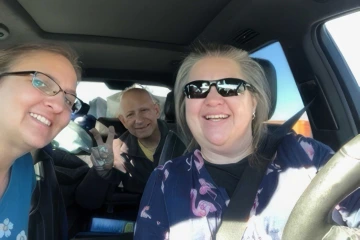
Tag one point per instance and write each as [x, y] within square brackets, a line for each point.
[215, 117]
[41, 119]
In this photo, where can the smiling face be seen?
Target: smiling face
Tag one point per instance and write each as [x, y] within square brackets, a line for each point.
[31, 119]
[220, 124]
[139, 113]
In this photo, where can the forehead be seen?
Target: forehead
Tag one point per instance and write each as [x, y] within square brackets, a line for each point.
[135, 99]
[52, 64]
[213, 68]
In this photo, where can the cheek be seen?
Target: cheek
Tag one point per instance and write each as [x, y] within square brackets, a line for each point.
[243, 109]
[62, 120]
[151, 115]
[192, 111]
[193, 106]
[128, 123]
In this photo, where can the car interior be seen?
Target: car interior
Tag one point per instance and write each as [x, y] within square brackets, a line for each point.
[121, 43]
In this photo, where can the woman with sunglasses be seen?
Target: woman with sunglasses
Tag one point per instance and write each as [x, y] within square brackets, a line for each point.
[38, 94]
[222, 101]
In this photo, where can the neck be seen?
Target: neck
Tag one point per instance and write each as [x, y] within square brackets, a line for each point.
[4, 181]
[10, 151]
[152, 141]
[221, 156]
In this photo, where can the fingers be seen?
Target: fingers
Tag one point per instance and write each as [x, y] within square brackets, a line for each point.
[97, 136]
[110, 136]
[103, 151]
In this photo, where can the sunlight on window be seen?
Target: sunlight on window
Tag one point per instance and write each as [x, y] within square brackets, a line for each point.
[158, 91]
[346, 34]
[87, 91]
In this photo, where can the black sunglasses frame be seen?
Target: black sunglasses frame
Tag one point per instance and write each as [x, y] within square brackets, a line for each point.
[204, 94]
[33, 73]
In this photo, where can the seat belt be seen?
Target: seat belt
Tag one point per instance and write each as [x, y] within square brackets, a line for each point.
[234, 221]
[172, 142]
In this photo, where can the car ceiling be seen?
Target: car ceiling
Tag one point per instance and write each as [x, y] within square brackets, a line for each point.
[144, 40]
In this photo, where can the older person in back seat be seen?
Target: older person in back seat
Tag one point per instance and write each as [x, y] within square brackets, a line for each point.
[132, 157]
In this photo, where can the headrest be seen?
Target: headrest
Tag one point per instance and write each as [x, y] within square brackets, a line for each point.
[115, 122]
[270, 73]
[169, 107]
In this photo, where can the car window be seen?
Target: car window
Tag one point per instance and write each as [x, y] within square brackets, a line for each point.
[347, 40]
[340, 39]
[289, 101]
[103, 102]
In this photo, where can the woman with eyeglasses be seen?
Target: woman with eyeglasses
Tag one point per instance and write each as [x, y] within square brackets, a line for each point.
[38, 94]
[222, 101]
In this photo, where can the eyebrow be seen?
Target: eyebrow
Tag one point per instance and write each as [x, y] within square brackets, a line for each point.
[65, 90]
[71, 92]
[128, 112]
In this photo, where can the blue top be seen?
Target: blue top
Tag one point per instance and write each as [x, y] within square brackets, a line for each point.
[15, 202]
[181, 201]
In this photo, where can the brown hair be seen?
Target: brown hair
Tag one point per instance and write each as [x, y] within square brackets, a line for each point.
[9, 56]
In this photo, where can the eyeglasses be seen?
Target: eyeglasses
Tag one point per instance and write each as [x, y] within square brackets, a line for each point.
[226, 87]
[47, 85]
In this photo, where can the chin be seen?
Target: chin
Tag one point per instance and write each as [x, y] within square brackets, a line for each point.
[217, 140]
[38, 143]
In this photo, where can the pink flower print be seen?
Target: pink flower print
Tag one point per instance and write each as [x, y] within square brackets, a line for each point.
[199, 161]
[166, 236]
[256, 204]
[207, 188]
[308, 148]
[162, 167]
[189, 162]
[162, 187]
[166, 174]
[203, 208]
[144, 214]
[268, 171]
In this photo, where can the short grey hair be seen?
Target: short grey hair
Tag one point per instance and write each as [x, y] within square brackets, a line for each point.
[138, 87]
[10, 56]
[253, 74]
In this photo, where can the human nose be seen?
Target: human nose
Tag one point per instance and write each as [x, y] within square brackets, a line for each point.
[213, 98]
[56, 102]
[138, 118]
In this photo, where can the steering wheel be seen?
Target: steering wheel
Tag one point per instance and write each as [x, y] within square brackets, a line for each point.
[311, 216]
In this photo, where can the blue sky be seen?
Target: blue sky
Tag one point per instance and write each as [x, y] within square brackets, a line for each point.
[289, 101]
[343, 30]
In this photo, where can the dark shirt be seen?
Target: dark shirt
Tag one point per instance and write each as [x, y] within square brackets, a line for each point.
[227, 175]
[93, 190]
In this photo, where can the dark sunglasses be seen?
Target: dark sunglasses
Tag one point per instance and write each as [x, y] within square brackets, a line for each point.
[47, 85]
[226, 87]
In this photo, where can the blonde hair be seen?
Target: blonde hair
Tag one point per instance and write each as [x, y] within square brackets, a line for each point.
[9, 56]
[253, 74]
